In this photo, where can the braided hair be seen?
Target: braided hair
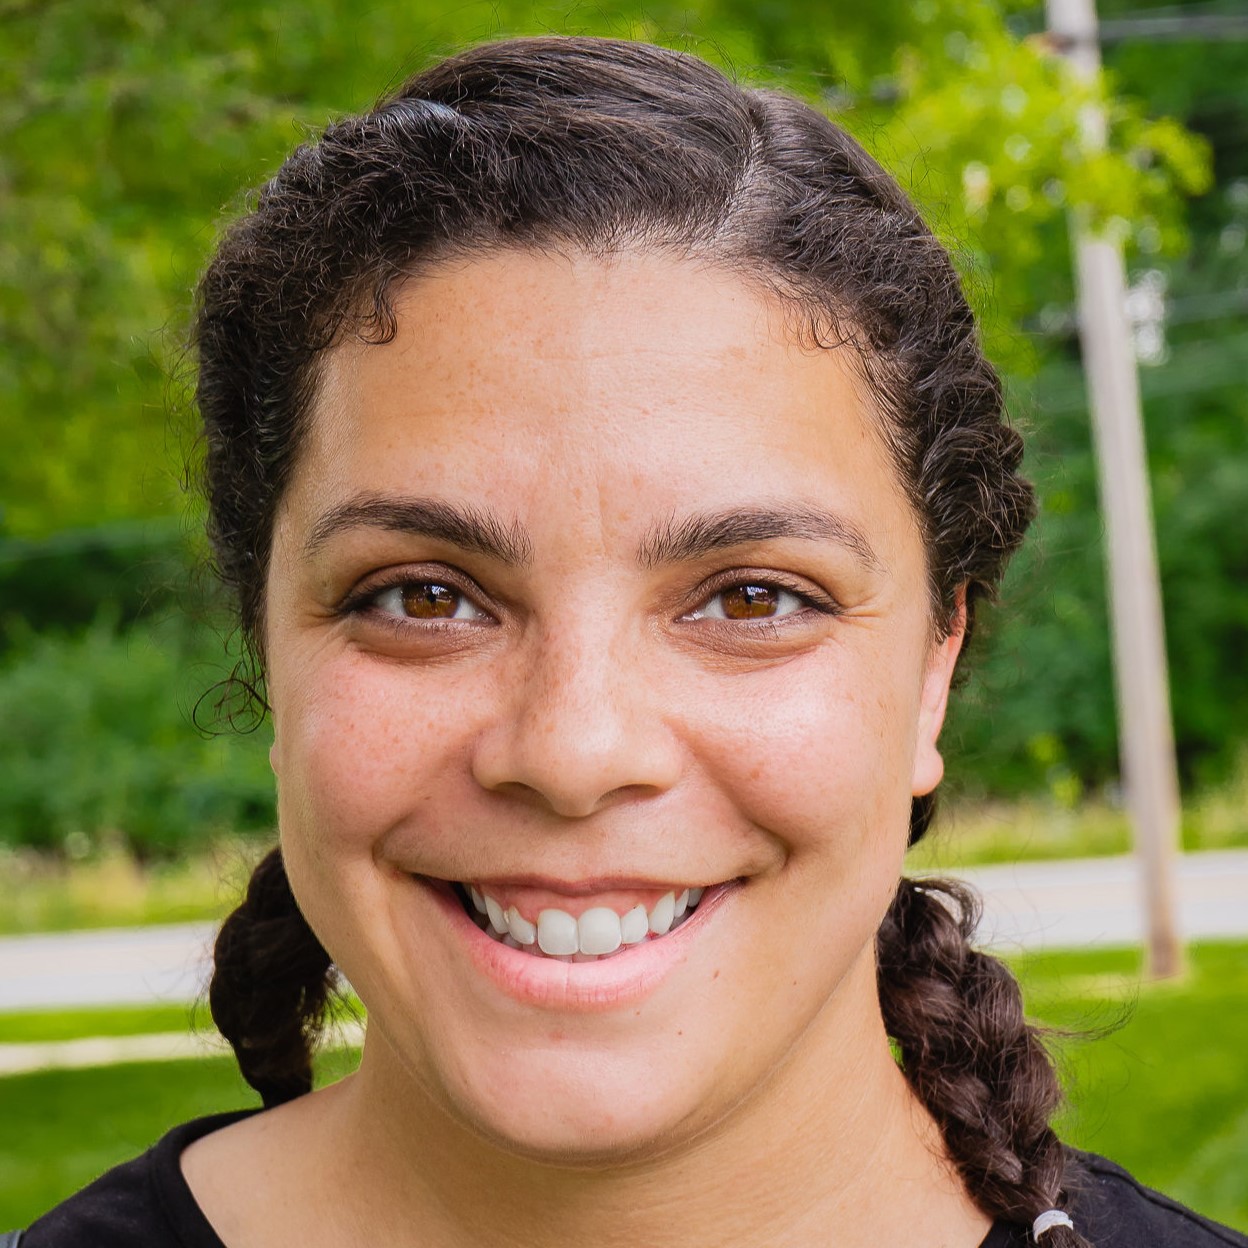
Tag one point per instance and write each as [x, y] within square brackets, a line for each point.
[270, 985]
[603, 145]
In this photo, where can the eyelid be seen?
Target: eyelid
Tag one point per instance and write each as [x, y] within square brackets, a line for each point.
[812, 596]
[363, 596]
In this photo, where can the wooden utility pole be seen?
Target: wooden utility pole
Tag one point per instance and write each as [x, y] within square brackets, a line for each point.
[1145, 733]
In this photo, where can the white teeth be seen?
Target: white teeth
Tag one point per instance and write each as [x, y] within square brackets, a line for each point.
[598, 930]
[663, 913]
[498, 920]
[634, 926]
[557, 933]
[522, 931]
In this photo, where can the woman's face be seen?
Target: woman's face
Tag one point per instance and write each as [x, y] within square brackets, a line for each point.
[590, 587]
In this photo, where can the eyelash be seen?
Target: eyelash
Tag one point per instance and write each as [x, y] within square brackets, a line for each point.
[364, 602]
[810, 600]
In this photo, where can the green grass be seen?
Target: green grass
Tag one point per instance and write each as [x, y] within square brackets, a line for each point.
[40, 1026]
[1164, 1092]
[44, 893]
[1037, 829]
[63, 1127]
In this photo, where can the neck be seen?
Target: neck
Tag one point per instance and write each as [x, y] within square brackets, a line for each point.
[833, 1146]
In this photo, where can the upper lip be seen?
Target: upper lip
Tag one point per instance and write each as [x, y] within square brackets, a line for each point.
[581, 887]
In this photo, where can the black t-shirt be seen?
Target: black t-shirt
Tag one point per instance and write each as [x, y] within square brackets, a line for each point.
[146, 1203]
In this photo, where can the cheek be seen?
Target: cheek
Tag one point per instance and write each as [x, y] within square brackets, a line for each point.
[364, 747]
[814, 747]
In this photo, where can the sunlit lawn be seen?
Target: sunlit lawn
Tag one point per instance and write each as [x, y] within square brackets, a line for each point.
[110, 888]
[1166, 1093]
[38, 1026]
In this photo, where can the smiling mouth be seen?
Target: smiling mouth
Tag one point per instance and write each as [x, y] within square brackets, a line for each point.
[598, 932]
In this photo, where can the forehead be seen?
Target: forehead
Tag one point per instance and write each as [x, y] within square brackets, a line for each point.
[631, 386]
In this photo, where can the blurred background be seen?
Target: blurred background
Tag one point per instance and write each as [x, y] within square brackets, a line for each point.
[130, 128]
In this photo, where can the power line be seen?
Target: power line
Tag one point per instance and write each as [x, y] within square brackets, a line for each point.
[1218, 305]
[1212, 27]
[1160, 25]
[1195, 366]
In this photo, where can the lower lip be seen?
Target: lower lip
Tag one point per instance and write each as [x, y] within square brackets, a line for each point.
[610, 983]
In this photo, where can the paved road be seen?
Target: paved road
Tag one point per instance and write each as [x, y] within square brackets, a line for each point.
[1097, 901]
[1026, 906]
[111, 967]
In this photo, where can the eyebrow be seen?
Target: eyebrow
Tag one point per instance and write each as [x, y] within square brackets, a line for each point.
[466, 527]
[693, 537]
[696, 536]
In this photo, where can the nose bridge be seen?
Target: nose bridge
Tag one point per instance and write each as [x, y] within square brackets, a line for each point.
[579, 728]
[572, 676]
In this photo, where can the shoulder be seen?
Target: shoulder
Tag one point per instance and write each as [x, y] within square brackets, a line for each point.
[1111, 1208]
[143, 1203]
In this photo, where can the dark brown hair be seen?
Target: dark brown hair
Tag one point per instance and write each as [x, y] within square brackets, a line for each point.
[598, 146]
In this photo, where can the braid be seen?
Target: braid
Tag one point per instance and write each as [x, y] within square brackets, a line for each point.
[270, 983]
[967, 1051]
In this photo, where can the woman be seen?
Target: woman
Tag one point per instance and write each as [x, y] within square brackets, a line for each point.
[608, 474]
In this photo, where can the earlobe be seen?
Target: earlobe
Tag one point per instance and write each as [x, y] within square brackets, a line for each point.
[929, 765]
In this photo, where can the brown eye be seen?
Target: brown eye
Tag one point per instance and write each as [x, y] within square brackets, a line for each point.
[745, 602]
[750, 602]
[427, 600]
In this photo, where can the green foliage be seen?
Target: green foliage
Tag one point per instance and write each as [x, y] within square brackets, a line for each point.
[1039, 712]
[97, 744]
[64, 581]
[129, 122]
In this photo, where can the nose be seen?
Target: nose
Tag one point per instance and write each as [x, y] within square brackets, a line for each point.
[580, 727]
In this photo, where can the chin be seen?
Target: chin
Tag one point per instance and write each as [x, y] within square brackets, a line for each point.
[591, 1132]
[592, 1109]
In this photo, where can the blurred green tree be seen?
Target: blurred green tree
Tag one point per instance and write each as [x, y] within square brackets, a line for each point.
[129, 123]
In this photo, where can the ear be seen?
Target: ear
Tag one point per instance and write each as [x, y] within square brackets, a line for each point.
[929, 766]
